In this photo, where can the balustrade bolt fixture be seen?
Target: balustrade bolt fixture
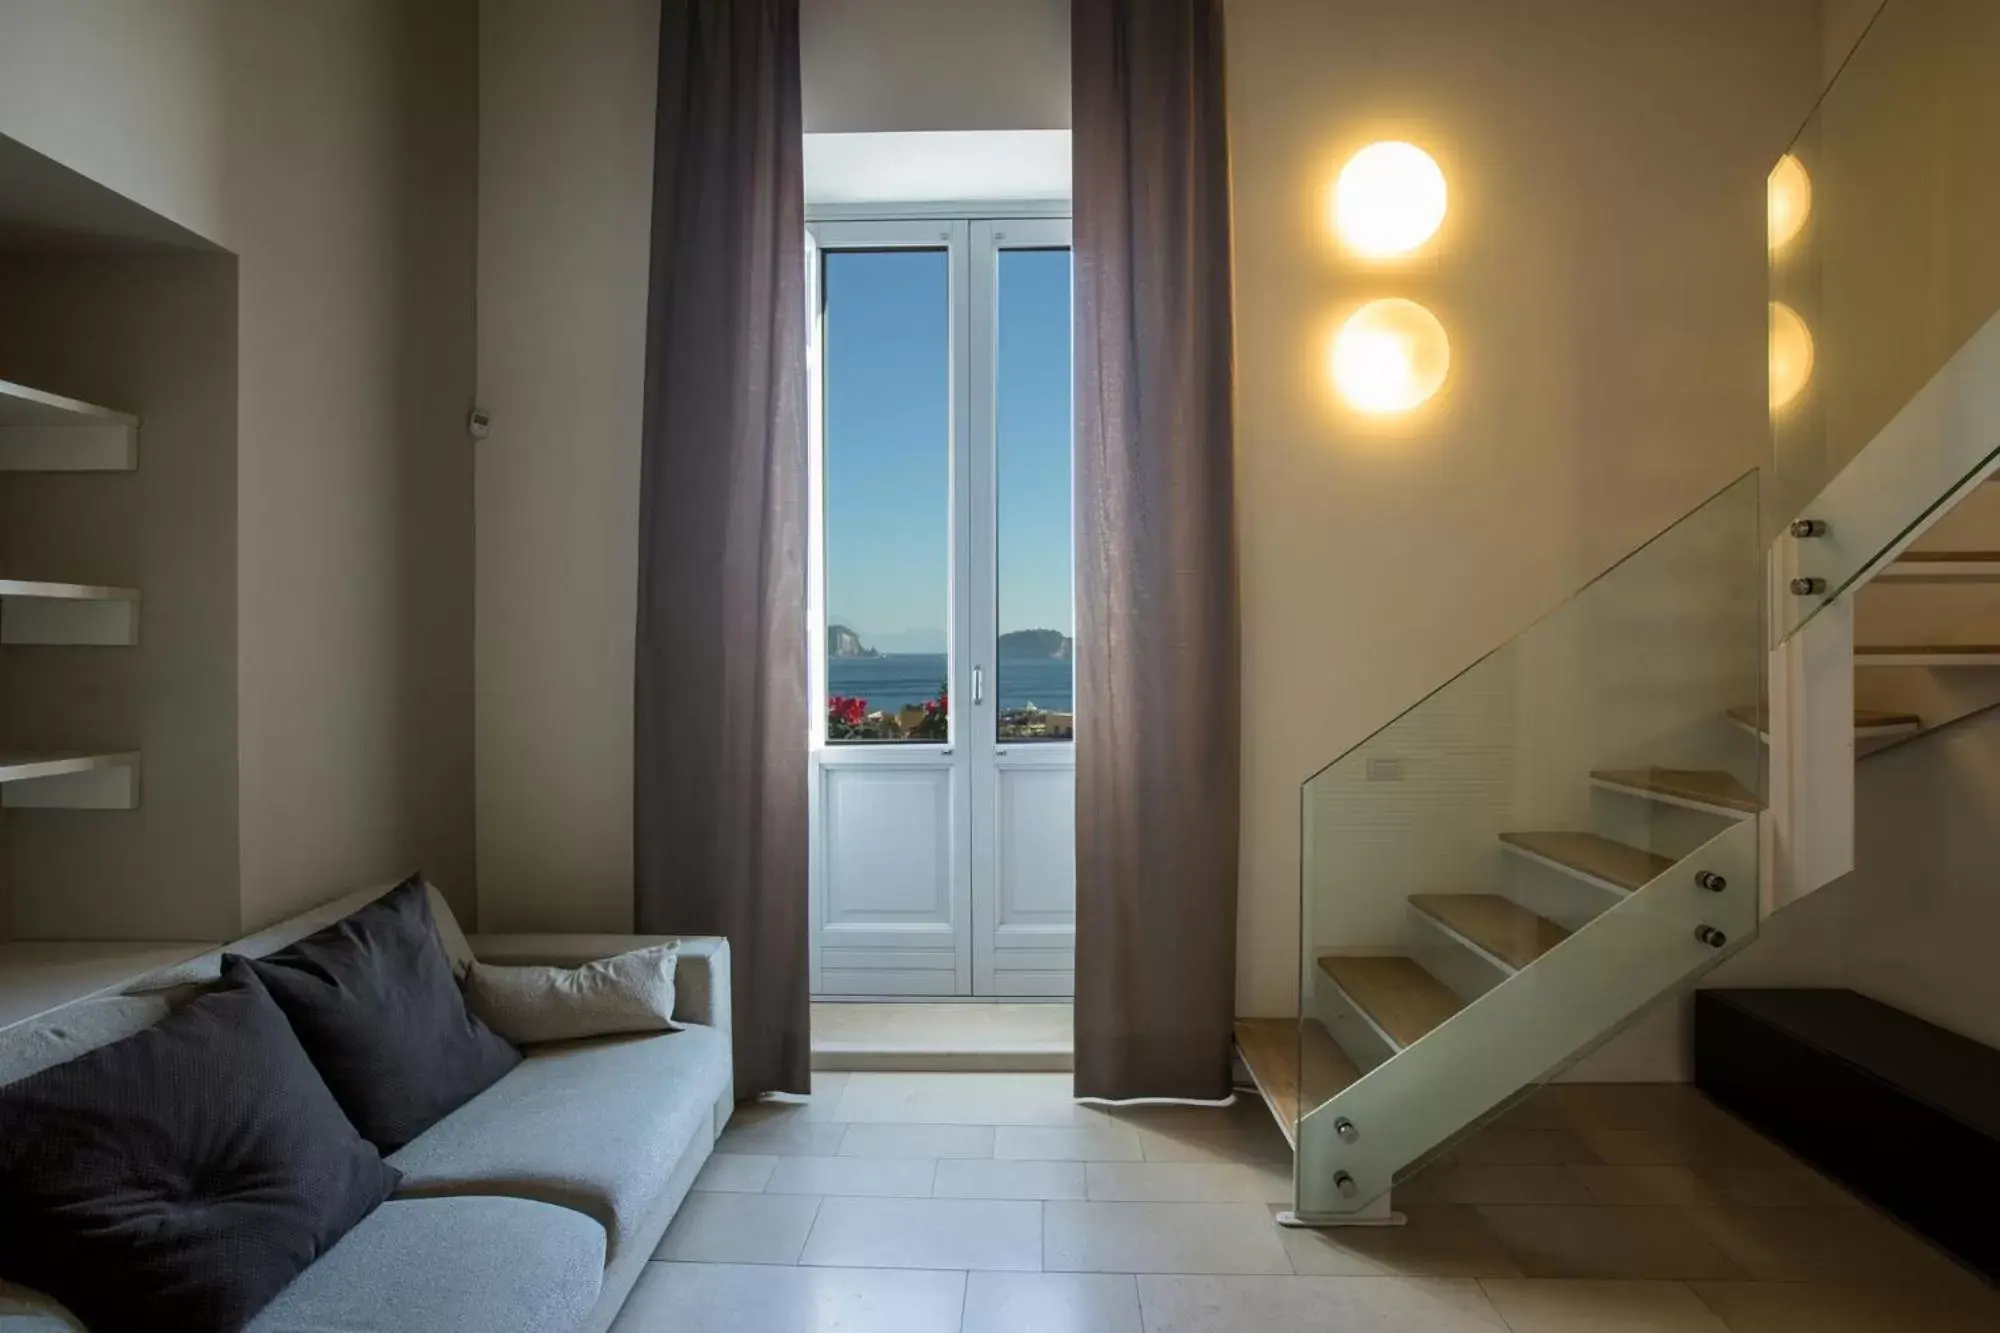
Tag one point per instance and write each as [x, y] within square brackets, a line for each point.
[1809, 527]
[1808, 587]
[1711, 881]
[1344, 1185]
[1710, 936]
[1344, 1130]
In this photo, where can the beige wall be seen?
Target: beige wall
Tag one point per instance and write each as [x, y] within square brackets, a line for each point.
[1601, 275]
[155, 336]
[332, 148]
[875, 65]
[1922, 908]
[353, 141]
[565, 187]
[128, 92]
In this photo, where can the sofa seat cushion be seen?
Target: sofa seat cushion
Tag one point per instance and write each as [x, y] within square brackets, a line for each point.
[597, 1126]
[442, 1265]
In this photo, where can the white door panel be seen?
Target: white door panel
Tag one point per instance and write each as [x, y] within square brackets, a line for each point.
[1026, 939]
[892, 891]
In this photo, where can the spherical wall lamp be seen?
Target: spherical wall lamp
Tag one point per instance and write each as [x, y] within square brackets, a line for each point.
[1788, 200]
[1388, 200]
[1791, 355]
[1390, 356]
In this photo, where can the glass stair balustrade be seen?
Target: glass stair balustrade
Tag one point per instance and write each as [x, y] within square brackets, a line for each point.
[1885, 341]
[1512, 871]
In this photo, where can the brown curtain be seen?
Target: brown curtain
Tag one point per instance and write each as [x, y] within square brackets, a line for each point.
[720, 751]
[1156, 741]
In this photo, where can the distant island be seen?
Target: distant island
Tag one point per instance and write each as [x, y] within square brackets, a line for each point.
[1021, 645]
[844, 642]
[1046, 645]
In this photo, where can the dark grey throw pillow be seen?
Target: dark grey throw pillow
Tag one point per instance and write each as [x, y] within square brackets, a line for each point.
[180, 1178]
[374, 1002]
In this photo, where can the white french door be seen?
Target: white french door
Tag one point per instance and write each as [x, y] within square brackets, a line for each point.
[943, 776]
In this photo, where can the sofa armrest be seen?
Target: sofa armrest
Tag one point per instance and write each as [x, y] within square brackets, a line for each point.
[701, 978]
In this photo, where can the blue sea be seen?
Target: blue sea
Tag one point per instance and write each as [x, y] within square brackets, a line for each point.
[897, 680]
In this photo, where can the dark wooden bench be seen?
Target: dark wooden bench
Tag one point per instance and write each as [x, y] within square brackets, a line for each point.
[1901, 1111]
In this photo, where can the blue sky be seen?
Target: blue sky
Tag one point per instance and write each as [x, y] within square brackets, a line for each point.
[888, 410]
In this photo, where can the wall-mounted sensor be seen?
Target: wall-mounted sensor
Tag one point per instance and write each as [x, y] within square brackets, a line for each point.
[479, 424]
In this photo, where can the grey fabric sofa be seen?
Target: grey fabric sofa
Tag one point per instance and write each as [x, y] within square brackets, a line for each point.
[534, 1207]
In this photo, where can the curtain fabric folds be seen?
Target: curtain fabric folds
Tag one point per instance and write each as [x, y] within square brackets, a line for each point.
[720, 745]
[1157, 671]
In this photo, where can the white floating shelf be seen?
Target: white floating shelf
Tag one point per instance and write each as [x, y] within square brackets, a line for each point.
[69, 781]
[45, 432]
[1940, 656]
[39, 976]
[68, 613]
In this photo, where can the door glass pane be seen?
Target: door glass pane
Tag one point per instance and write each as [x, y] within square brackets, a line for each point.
[888, 494]
[1034, 678]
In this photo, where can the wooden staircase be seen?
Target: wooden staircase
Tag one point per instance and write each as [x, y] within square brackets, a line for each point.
[1387, 1002]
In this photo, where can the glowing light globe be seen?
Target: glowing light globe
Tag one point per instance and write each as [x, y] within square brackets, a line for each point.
[1390, 356]
[1791, 355]
[1788, 195]
[1388, 200]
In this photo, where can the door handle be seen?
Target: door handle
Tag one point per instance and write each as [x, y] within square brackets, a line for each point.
[978, 686]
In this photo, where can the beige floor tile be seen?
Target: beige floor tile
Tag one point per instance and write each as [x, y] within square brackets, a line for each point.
[728, 1173]
[1631, 1105]
[1628, 1185]
[1575, 1306]
[1499, 1145]
[917, 1141]
[1492, 1182]
[845, 1027]
[1773, 1181]
[1764, 1307]
[973, 1178]
[1535, 1111]
[1315, 1305]
[926, 1233]
[1822, 1245]
[740, 1229]
[1187, 1182]
[723, 1298]
[1436, 1240]
[819, 1104]
[1255, 1145]
[786, 1133]
[1606, 1242]
[889, 1177]
[1052, 1303]
[1247, 1114]
[1697, 1141]
[963, 1099]
[828, 1083]
[1161, 1238]
[1077, 1143]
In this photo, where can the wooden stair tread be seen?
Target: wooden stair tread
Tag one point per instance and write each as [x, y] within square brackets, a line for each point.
[1273, 1047]
[1500, 926]
[1758, 718]
[1925, 649]
[1703, 785]
[1395, 993]
[1626, 866]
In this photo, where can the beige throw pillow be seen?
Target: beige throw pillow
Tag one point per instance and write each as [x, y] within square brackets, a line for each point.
[633, 992]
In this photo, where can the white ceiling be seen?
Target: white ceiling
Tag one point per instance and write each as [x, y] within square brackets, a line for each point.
[937, 166]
